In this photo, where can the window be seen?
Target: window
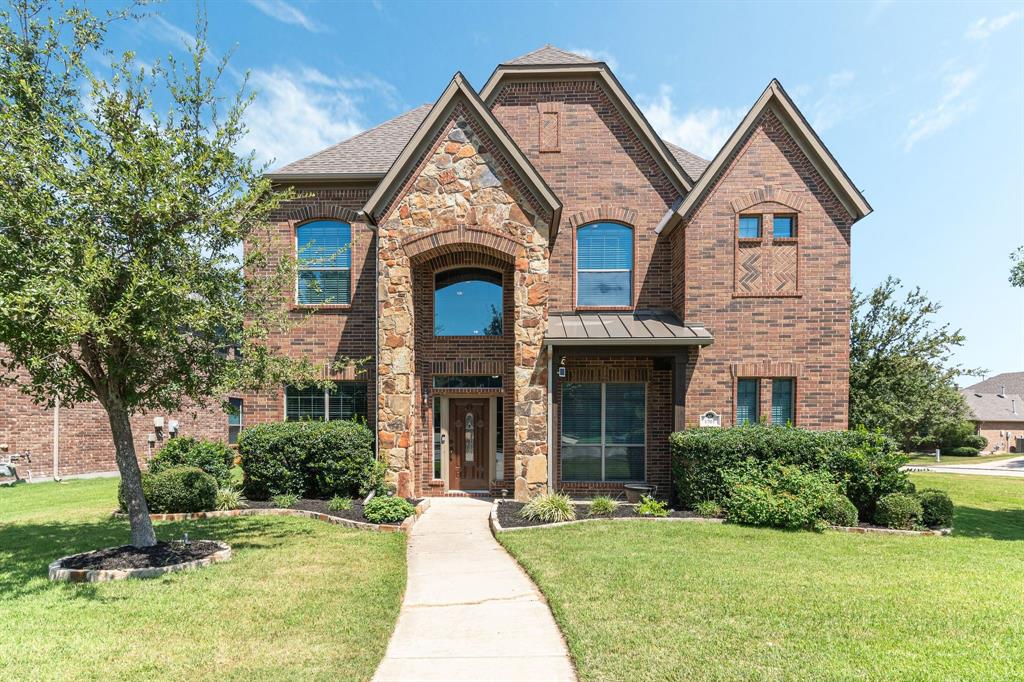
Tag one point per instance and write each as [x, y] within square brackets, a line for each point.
[603, 432]
[782, 401]
[437, 438]
[748, 399]
[324, 252]
[234, 419]
[499, 440]
[468, 302]
[604, 265]
[460, 381]
[347, 400]
[783, 227]
[750, 227]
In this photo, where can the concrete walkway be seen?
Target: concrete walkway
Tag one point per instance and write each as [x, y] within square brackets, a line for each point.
[1011, 468]
[470, 612]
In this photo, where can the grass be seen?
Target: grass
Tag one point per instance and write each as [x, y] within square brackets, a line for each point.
[924, 459]
[300, 599]
[692, 601]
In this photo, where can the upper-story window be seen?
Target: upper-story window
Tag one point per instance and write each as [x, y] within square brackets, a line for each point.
[604, 265]
[467, 302]
[324, 252]
[783, 227]
[750, 227]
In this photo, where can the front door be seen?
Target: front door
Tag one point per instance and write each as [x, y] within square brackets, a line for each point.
[470, 443]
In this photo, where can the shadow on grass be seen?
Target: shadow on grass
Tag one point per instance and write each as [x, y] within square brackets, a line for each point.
[27, 549]
[998, 524]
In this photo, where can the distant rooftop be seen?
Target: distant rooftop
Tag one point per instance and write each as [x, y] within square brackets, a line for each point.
[989, 407]
[1012, 382]
[549, 54]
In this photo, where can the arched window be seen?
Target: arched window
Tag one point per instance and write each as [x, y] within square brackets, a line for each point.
[604, 265]
[467, 302]
[324, 252]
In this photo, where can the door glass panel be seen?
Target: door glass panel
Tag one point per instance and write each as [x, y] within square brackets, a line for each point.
[470, 437]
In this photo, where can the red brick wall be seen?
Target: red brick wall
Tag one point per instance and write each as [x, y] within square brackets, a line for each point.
[804, 335]
[600, 163]
[330, 332]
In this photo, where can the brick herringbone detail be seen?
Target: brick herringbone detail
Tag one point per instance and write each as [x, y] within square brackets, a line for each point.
[784, 267]
[750, 269]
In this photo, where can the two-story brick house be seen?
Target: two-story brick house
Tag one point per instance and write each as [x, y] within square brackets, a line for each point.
[547, 289]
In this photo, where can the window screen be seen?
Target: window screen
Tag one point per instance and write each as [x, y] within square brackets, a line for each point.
[750, 226]
[347, 400]
[234, 419]
[783, 227]
[782, 401]
[604, 265]
[324, 251]
[747, 400]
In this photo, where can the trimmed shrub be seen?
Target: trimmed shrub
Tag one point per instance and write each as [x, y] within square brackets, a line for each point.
[974, 441]
[936, 508]
[840, 512]
[552, 508]
[779, 496]
[177, 490]
[385, 509]
[213, 457]
[708, 508]
[602, 506]
[866, 465]
[963, 451]
[899, 510]
[311, 458]
[651, 507]
[229, 498]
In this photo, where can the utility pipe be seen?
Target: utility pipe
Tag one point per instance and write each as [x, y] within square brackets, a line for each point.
[56, 439]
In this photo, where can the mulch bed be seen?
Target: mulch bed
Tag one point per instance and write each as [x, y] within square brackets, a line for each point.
[320, 506]
[508, 514]
[159, 555]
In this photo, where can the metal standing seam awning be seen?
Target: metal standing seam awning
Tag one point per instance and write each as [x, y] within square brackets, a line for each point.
[641, 328]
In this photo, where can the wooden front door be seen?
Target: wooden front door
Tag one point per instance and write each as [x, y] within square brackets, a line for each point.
[469, 451]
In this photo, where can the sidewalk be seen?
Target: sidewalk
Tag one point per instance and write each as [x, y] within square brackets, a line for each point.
[1011, 468]
[470, 612]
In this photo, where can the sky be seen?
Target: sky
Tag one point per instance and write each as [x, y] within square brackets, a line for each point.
[921, 103]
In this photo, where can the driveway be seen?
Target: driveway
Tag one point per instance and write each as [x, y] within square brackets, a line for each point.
[470, 612]
[1012, 468]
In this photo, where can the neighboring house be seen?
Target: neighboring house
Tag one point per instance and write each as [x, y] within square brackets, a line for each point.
[547, 289]
[997, 410]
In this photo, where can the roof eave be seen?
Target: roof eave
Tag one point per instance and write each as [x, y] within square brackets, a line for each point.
[696, 341]
[313, 177]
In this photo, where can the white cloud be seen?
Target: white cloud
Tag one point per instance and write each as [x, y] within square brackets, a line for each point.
[701, 131]
[166, 32]
[289, 14]
[985, 27]
[297, 112]
[950, 108]
[836, 101]
[598, 56]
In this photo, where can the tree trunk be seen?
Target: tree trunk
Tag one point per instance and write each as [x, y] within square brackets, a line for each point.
[131, 477]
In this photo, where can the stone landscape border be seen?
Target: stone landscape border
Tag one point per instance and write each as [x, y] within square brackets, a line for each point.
[93, 575]
[404, 527]
[496, 526]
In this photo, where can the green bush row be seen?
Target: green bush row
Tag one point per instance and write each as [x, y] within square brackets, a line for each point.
[926, 508]
[176, 490]
[309, 458]
[865, 465]
[213, 457]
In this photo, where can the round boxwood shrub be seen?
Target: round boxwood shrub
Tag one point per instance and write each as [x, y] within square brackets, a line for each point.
[311, 459]
[937, 508]
[780, 496]
[839, 511]
[963, 451]
[176, 490]
[385, 509]
[213, 457]
[899, 510]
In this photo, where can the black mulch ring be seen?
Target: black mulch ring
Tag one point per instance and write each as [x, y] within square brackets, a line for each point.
[508, 514]
[320, 507]
[159, 555]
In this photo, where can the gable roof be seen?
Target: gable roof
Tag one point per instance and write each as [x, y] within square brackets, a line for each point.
[989, 407]
[549, 54]
[536, 69]
[459, 87]
[366, 155]
[775, 98]
[1011, 382]
[693, 165]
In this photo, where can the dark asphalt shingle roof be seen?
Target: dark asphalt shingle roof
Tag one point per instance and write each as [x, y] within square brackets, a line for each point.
[693, 165]
[652, 327]
[548, 55]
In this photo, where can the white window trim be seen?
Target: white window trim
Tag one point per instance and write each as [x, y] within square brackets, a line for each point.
[327, 398]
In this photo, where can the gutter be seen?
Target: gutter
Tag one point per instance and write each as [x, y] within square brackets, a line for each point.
[551, 452]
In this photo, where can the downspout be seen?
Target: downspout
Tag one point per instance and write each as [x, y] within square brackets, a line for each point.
[56, 439]
[551, 452]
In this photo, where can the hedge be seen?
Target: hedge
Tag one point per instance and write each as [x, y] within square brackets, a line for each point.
[313, 459]
[865, 465]
[213, 457]
[176, 490]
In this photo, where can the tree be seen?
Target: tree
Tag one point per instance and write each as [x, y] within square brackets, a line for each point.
[120, 274]
[1017, 269]
[902, 378]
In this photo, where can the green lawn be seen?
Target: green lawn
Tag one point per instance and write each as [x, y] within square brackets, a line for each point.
[693, 601]
[924, 459]
[301, 599]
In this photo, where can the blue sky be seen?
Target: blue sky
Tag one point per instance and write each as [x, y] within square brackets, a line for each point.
[922, 104]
